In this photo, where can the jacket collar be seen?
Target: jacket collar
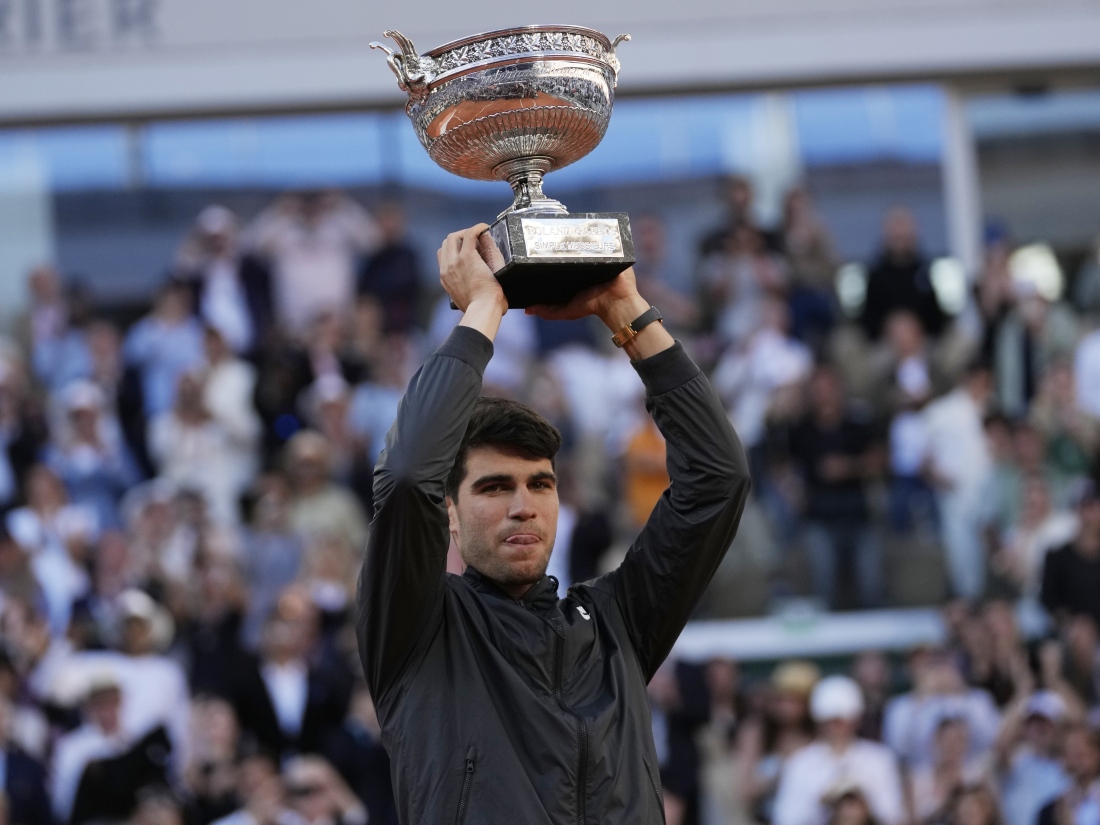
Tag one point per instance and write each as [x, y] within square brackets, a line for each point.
[542, 596]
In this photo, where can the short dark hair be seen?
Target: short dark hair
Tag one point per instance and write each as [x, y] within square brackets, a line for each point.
[505, 424]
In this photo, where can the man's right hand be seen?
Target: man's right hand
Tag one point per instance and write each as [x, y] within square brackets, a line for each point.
[463, 270]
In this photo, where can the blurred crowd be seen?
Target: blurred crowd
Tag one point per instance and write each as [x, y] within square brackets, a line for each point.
[184, 501]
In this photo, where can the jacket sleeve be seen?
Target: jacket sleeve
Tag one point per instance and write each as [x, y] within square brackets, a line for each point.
[399, 601]
[672, 561]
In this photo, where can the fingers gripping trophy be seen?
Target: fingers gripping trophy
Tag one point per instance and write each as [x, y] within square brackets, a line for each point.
[513, 105]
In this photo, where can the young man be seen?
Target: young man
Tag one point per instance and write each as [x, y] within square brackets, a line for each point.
[500, 700]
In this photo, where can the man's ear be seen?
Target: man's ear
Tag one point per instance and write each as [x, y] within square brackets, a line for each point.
[452, 517]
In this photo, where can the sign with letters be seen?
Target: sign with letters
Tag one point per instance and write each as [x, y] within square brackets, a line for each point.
[73, 60]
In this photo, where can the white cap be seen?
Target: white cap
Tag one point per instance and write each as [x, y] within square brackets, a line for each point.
[836, 697]
[1047, 704]
[83, 395]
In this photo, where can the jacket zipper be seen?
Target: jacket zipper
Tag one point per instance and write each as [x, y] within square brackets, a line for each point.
[582, 767]
[656, 790]
[464, 797]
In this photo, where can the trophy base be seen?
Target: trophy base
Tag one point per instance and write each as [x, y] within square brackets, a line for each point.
[549, 258]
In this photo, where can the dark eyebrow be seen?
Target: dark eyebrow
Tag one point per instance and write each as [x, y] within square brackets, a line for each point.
[545, 475]
[496, 478]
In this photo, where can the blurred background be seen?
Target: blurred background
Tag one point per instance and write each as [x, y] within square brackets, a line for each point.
[874, 223]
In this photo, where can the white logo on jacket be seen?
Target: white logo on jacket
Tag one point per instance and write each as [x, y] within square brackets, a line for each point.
[584, 613]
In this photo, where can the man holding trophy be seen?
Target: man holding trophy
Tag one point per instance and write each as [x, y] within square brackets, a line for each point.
[501, 700]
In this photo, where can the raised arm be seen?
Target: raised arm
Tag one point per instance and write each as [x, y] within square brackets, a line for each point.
[399, 602]
[670, 564]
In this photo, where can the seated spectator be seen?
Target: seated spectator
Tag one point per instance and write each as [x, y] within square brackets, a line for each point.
[1071, 573]
[24, 778]
[313, 241]
[231, 290]
[99, 768]
[1027, 753]
[748, 378]
[327, 409]
[319, 795]
[318, 504]
[973, 805]
[163, 346]
[391, 274]
[1071, 436]
[813, 262]
[837, 757]
[933, 787]
[291, 697]
[1080, 803]
[356, 751]
[58, 537]
[194, 450]
[911, 385]
[22, 435]
[211, 774]
[938, 692]
[1038, 529]
[871, 671]
[90, 456]
[765, 741]
[737, 279]
[836, 452]
[271, 553]
[900, 278]
[153, 689]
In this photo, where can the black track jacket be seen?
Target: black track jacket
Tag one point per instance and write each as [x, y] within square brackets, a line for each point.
[532, 712]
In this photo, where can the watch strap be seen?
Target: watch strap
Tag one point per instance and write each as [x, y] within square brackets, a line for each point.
[628, 332]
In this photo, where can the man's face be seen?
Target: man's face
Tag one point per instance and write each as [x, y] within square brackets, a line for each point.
[505, 518]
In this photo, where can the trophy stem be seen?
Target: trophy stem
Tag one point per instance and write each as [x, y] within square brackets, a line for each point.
[524, 175]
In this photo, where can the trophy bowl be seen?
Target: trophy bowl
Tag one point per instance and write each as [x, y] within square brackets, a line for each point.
[511, 104]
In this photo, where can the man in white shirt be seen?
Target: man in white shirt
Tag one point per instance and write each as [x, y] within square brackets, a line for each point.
[838, 759]
[100, 737]
[960, 463]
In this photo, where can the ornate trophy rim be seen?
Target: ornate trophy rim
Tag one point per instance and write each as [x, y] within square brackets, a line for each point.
[538, 27]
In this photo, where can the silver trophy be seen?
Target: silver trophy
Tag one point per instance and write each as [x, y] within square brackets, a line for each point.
[513, 105]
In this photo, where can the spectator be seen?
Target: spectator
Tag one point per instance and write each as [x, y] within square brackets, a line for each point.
[319, 795]
[356, 751]
[231, 290]
[1080, 803]
[837, 757]
[313, 241]
[291, 697]
[327, 404]
[933, 787]
[163, 346]
[1024, 546]
[813, 263]
[318, 504]
[1027, 752]
[723, 798]
[24, 777]
[1071, 573]
[681, 313]
[767, 740]
[837, 454]
[22, 435]
[212, 775]
[1071, 436]
[871, 671]
[391, 274]
[272, 553]
[99, 767]
[58, 537]
[737, 195]
[973, 805]
[90, 456]
[900, 278]
[374, 402]
[939, 691]
[959, 465]
[737, 279]
[229, 384]
[194, 450]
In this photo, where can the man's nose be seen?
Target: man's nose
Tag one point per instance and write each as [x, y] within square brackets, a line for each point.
[522, 506]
